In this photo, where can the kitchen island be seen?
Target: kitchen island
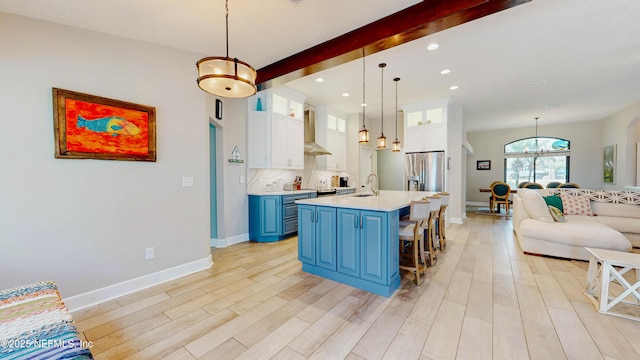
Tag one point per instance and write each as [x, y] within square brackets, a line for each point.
[353, 239]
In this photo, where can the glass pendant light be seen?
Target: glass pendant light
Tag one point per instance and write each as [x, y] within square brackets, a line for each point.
[396, 142]
[224, 76]
[382, 140]
[363, 134]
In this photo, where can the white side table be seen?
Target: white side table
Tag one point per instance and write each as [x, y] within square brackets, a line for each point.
[602, 272]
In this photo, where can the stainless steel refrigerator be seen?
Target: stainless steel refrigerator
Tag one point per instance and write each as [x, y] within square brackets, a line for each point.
[424, 171]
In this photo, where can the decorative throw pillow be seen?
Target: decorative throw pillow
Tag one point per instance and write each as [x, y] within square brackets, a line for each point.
[556, 214]
[535, 205]
[576, 205]
[555, 201]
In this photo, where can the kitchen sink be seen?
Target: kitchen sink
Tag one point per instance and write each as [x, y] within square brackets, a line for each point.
[362, 195]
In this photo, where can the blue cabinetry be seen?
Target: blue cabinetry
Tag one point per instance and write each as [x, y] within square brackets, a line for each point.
[274, 217]
[355, 247]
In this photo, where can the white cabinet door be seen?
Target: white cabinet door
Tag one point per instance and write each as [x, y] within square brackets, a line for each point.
[295, 144]
[259, 146]
[279, 146]
[337, 146]
[414, 138]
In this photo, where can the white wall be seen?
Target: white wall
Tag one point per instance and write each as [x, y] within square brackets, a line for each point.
[86, 223]
[586, 154]
[621, 129]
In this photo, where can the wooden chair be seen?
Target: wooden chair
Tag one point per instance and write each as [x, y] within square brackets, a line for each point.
[431, 242]
[500, 195]
[552, 185]
[441, 220]
[521, 184]
[411, 239]
[532, 185]
[569, 185]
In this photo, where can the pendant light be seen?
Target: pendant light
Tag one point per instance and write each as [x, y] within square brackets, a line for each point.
[224, 76]
[396, 142]
[382, 140]
[363, 134]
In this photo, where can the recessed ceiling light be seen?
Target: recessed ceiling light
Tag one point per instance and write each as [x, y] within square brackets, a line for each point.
[345, 94]
[445, 71]
[454, 87]
[319, 79]
[432, 46]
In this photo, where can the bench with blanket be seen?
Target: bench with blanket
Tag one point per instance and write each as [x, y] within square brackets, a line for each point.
[35, 324]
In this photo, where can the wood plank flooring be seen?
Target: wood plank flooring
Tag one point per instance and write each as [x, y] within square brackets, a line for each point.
[484, 299]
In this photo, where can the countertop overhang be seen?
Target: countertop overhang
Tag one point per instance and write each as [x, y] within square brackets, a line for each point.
[388, 200]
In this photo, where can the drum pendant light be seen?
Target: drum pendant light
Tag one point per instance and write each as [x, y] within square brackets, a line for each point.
[396, 142]
[224, 76]
[382, 140]
[363, 134]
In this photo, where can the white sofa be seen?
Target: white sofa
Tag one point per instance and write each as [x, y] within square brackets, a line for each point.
[614, 225]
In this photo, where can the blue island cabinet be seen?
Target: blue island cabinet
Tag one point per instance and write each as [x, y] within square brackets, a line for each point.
[351, 246]
[274, 217]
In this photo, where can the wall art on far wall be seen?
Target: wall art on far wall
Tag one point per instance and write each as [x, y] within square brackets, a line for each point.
[609, 164]
[483, 165]
[93, 127]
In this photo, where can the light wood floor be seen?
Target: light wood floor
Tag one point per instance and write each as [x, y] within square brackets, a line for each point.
[484, 299]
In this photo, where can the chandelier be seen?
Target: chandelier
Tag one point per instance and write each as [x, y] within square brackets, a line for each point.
[224, 76]
[382, 140]
[537, 152]
[363, 134]
[396, 142]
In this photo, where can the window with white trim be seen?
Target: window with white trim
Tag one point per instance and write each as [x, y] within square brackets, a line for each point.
[537, 159]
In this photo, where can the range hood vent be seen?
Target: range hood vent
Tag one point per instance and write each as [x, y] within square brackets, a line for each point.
[310, 145]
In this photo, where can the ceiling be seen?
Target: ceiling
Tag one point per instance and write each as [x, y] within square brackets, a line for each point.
[564, 61]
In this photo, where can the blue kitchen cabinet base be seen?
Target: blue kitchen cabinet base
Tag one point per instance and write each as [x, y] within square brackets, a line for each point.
[378, 289]
[274, 217]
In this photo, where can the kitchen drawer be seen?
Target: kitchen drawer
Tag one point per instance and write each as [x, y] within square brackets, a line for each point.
[290, 225]
[290, 199]
[290, 210]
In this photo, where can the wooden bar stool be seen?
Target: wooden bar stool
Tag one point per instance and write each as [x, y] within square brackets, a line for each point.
[411, 238]
[441, 220]
[431, 240]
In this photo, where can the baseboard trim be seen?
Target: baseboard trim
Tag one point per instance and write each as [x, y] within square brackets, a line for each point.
[237, 239]
[478, 203]
[456, 220]
[94, 297]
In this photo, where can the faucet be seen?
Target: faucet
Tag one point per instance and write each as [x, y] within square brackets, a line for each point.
[376, 192]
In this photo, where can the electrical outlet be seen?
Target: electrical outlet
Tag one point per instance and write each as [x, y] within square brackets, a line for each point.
[148, 253]
[187, 181]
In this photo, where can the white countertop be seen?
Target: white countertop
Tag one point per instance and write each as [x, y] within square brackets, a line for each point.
[292, 192]
[388, 200]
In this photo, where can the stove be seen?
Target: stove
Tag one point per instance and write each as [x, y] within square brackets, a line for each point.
[326, 192]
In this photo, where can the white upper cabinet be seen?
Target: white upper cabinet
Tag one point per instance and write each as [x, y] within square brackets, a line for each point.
[425, 126]
[275, 129]
[331, 133]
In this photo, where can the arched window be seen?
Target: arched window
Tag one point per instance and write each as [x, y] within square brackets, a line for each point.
[537, 159]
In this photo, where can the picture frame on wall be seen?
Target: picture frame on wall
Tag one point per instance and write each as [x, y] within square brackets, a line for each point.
[609, 164]
[218, 109]
[483, 165]
[93, 127]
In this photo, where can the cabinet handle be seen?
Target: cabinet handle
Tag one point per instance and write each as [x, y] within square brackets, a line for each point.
[315, 213]
[355, 222]
[361, 222]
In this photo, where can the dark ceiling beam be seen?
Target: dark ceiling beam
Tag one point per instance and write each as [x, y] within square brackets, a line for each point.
[422, 19]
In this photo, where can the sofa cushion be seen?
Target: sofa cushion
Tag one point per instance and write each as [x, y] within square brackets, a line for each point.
[576, 205]
[536, 206]
[554, 200]
[617, 210]
[622, 224]
[580, 233]
[556, 214]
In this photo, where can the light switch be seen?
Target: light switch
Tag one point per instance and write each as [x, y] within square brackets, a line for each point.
[241, 179]
[187, 181]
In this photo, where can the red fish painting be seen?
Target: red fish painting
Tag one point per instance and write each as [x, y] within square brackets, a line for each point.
[93, 127]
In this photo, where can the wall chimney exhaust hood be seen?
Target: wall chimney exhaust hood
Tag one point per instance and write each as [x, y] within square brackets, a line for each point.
[310, 145]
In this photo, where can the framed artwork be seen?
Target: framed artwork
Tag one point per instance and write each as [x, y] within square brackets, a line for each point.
[609, 164]
[93, 127]
[218, 109]
[483, 165]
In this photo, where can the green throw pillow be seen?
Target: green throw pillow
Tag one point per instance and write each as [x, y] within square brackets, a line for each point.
[555, 201]
[556, 214]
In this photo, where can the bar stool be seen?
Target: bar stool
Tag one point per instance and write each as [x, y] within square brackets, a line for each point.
[431, 241]
[411, 238]
[441, 220]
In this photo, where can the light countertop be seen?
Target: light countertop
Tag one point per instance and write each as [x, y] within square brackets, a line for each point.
[387, 201]
[292, 192]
